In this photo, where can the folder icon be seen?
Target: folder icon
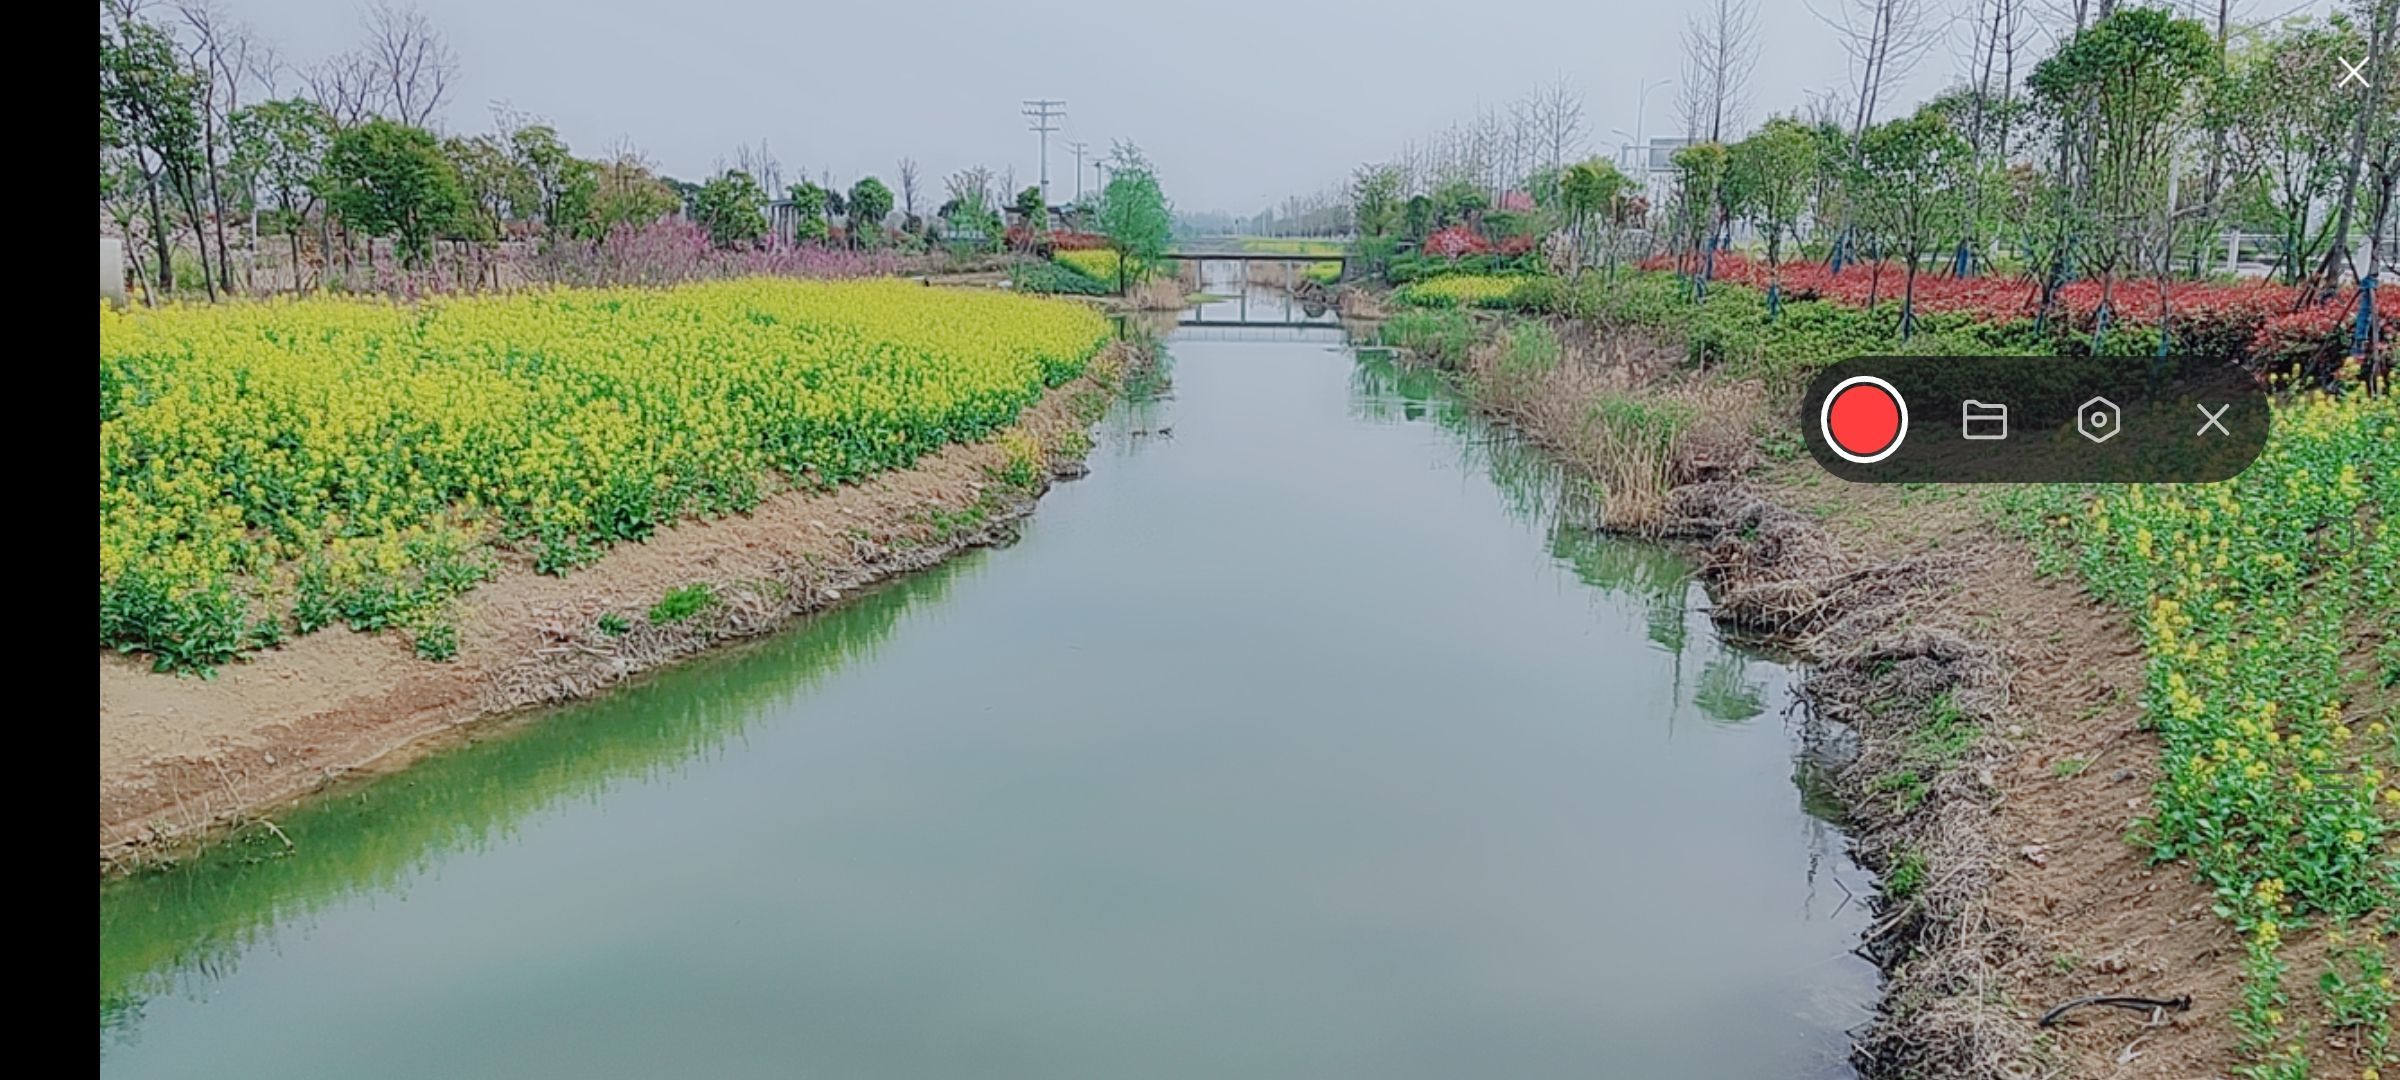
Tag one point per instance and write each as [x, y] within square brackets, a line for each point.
[1980, 421]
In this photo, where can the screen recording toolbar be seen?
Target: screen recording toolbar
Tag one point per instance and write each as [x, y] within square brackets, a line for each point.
[2034, 419]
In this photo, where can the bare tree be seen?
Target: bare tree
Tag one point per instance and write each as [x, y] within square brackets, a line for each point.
[339, 84]
[409, 65]
[1884, 40]
[1558, 121]
[762, 165]
[908, 188]
[1720, 46]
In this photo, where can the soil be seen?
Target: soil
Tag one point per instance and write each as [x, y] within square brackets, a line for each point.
[2077, 909]
[182, 757]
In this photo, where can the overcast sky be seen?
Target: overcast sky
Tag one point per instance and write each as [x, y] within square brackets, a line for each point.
[1238, 102]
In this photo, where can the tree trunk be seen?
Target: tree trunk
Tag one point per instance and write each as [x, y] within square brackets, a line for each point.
[159, 241]
[2379, 41]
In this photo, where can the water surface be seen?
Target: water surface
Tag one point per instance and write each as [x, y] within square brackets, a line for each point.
[1304, 738]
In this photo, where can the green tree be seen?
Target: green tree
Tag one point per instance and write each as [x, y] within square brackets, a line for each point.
[150, 106]
[553, 184]
[1774, 170]
[487, 175]
[627, 195]
[1375, 200]
[1033, 211]
[1590, 192]
[870, 203]
[1912, 170]
[389, 179]
[1700, 195]
[808, 213]
[2285, 129]
[2117, 94]
[732, 208]
[285, 141]
[1134, 213]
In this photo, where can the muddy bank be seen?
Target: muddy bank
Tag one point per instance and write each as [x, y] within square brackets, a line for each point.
[1994, 714]
[182, 757]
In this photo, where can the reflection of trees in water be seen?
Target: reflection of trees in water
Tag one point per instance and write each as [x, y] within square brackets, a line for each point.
[1725, 692]
[1384, 390]
[183, 927]
[1654, 576]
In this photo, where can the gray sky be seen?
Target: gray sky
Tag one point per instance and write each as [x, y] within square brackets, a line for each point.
[1238, 102]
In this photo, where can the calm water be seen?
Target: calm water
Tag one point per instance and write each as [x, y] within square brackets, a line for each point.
[1302, 742]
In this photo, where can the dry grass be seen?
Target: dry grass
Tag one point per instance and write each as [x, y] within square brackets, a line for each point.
[1620, 421]
[1156, 294]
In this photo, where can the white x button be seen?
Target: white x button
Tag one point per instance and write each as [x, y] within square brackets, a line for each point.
[2352, 72]
[2215, 420]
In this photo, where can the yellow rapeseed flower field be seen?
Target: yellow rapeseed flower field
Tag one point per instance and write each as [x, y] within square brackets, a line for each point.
[274, 467]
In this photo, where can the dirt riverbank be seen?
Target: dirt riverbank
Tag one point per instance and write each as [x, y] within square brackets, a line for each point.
[2000, 761]
[183, 757]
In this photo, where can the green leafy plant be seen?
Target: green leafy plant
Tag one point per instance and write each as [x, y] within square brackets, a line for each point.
[682, 604]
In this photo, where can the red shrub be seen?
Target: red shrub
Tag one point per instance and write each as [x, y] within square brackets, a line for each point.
[1455, 241]
[2252, 318]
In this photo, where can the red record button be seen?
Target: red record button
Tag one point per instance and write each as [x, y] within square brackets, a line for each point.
[1864, 419]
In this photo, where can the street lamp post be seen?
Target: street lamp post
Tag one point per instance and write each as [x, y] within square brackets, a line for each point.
[1641, 116]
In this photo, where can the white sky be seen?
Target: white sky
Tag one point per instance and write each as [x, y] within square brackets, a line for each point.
[1238, 102]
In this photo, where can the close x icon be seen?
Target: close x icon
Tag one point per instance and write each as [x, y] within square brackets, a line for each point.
[2034, 419]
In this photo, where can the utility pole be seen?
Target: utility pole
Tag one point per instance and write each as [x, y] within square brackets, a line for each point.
[1041, 111]
[1077, 147]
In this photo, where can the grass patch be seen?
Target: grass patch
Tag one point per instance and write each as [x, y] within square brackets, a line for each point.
[682, 604]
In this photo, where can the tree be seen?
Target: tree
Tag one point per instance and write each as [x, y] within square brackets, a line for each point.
[908, 188]
[1375, 200]
[151, 103]
[1592, 191]
[1699, 201]
[1033, 210]
[732, 207]
[390, 179]
[1134, 213]
[1556, 113]
[287, 140]
[2374, 134]
[1720, 46]
[1885, 39]
[2117, 94]
[408, 64]
[1911, 170]
[553, 185]
[968, 215]
[808, 213]
[1774, 170]
[870, 203]
[626, 194]
[2283, 131]
[486, 177]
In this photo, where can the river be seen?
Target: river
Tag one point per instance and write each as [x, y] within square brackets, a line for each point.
[1306, 737]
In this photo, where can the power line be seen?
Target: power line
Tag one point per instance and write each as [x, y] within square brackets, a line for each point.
[1041, 111]
[1077, 146]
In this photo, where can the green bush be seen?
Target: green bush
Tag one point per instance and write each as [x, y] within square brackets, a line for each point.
[1442, 335]
[1059, 280]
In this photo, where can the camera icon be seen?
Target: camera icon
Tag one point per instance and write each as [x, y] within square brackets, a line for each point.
[2098, 419]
